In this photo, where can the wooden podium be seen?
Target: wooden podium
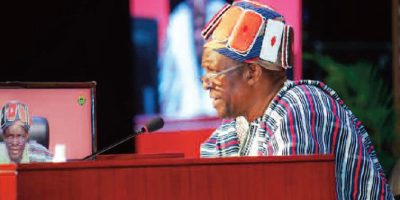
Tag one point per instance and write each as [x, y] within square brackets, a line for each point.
[171, 177]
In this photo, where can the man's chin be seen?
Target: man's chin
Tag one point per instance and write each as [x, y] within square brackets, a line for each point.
[16, 158]
[222, 114]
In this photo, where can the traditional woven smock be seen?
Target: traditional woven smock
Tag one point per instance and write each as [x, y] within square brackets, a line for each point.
[307, 117]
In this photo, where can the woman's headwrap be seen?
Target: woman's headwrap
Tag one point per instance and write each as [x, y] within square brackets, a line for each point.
[13, 112]
[250, 32]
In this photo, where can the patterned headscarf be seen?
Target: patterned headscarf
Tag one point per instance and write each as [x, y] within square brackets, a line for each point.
[13, 112]
[250, 32]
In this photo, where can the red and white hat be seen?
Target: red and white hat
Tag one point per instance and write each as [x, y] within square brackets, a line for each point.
[13, 112]
[247, 31]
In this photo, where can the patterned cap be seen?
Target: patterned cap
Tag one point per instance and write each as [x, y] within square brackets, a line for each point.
[13, 112]
[251, 32]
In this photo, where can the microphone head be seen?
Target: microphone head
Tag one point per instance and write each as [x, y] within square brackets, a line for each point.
[154, 124]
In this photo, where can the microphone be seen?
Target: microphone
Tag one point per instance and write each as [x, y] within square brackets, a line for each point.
[151, 126]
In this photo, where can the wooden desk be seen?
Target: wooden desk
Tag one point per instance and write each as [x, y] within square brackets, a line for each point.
[252, 178]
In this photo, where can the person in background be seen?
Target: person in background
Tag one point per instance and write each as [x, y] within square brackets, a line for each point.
[180, 92]
[247, 50]
[16, 148]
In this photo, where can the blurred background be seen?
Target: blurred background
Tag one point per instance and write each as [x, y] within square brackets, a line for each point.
[123, 45]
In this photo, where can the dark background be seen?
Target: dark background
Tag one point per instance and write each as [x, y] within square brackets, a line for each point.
[348, 31]
[75, 40]
[85, 40]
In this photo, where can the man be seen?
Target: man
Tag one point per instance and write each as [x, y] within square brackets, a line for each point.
[15, 123]
[245, 57]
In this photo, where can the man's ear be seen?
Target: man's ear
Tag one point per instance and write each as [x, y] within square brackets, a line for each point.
[26, 135]
[252, 74]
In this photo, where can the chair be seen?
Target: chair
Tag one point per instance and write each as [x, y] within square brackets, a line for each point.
[39, 131]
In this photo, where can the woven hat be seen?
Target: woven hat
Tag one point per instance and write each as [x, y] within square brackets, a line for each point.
[251, 32]
[13, 112]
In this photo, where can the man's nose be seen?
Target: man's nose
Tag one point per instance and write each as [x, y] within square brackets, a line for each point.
[206, 84]
[16, 140]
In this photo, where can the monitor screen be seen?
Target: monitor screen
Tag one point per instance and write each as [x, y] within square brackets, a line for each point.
[67, 108]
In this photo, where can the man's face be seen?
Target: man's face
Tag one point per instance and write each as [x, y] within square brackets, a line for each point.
[15, 137]
[228, 91]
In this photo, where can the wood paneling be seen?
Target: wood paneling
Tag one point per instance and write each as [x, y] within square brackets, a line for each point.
[298, 177]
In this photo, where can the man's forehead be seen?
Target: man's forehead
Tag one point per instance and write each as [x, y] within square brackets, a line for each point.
[213, 59]
[16, 128]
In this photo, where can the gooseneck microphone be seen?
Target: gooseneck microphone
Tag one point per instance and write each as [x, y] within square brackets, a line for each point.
[152, 125]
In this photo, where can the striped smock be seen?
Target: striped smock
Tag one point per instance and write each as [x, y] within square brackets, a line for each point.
[307, 117]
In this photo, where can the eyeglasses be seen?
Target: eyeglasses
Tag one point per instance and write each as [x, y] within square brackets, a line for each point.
[208, 77]
[19, 138]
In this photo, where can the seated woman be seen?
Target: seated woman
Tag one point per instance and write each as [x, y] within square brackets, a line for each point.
[16, 148]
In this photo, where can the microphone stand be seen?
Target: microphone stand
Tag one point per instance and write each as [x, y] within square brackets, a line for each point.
[142, 130]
